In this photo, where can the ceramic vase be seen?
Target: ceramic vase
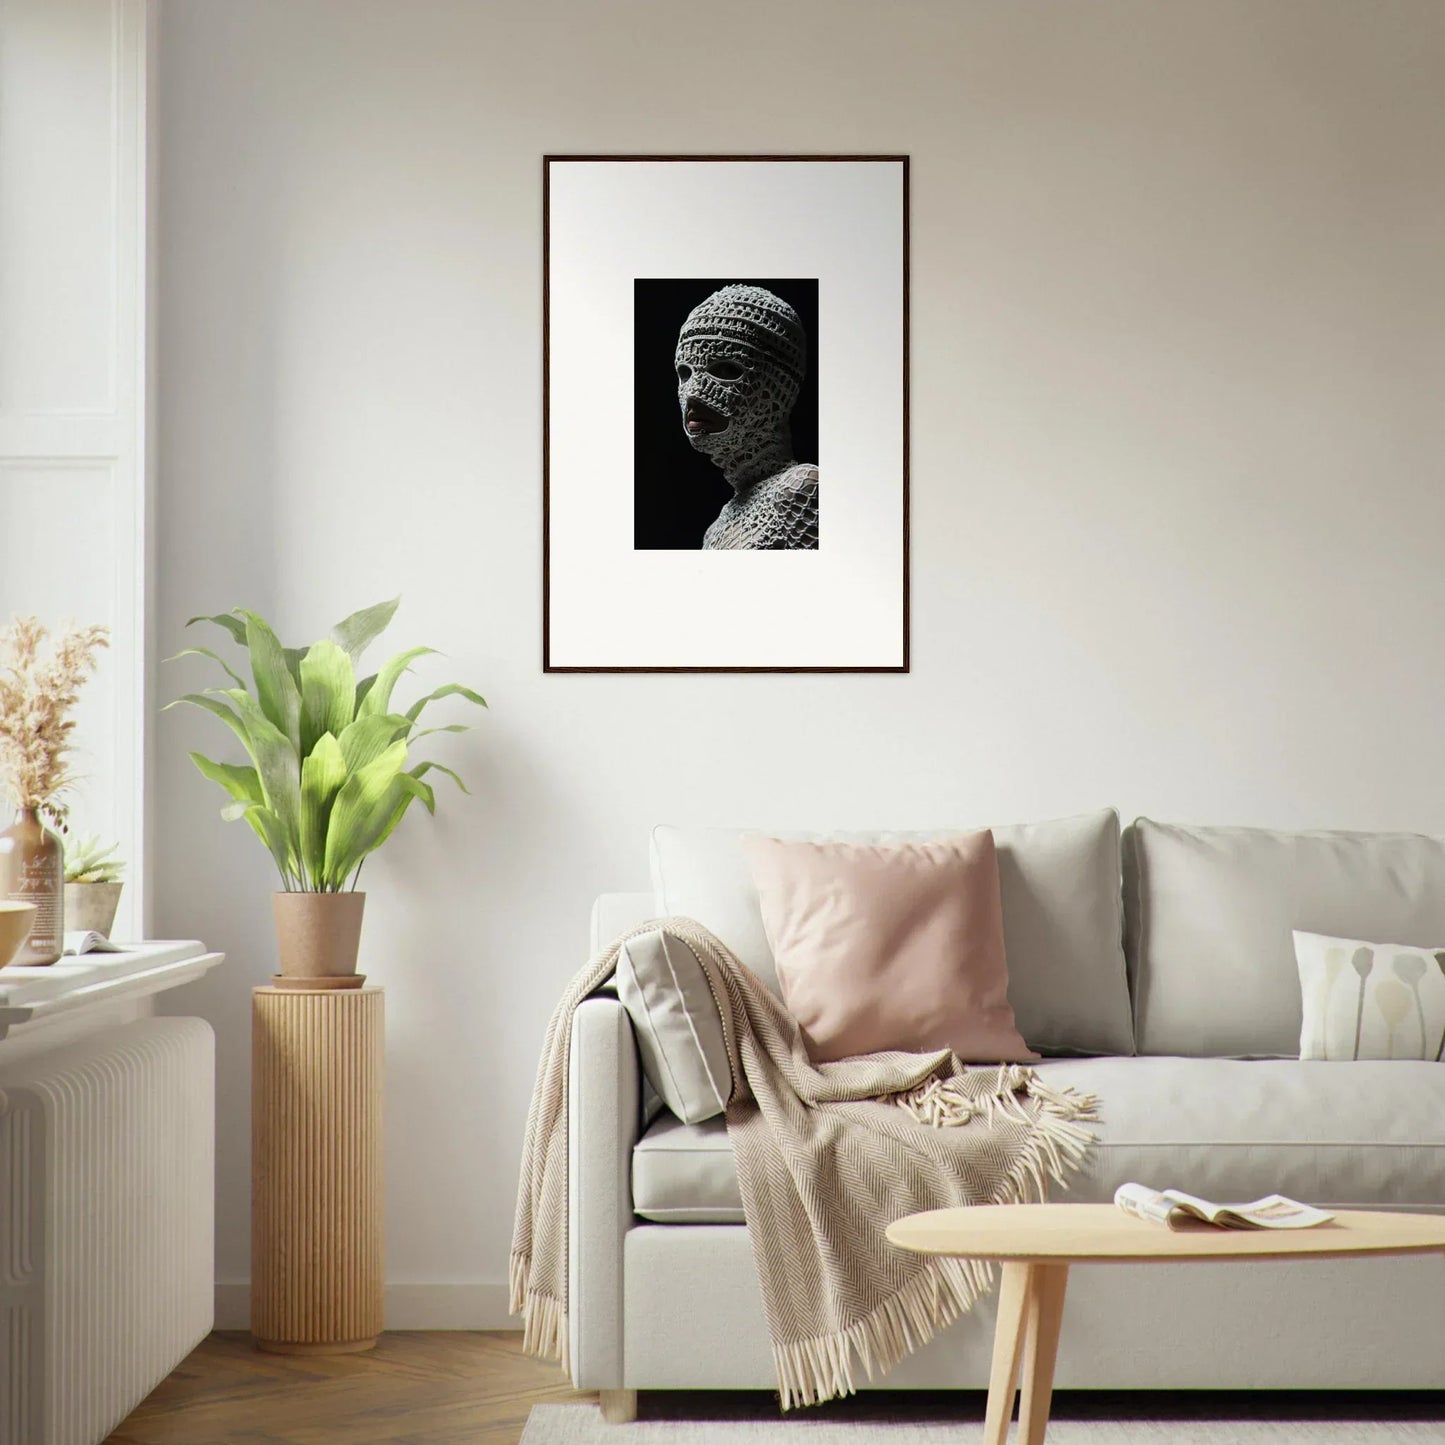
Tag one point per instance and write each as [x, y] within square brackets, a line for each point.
[32, 870]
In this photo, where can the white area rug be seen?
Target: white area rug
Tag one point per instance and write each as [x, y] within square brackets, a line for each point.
[1319, 1420]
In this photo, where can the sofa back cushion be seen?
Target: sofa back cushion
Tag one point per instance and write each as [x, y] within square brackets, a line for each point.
[1212, 911]
[615, 913]
[1062, 917]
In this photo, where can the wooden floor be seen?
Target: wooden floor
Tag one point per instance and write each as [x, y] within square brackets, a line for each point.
[459, 1388]
[430, 1389]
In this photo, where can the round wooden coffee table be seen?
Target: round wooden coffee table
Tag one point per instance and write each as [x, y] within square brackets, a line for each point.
[1036, 1244]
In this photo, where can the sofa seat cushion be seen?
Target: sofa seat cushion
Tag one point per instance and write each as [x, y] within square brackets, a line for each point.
[1360, 1135]
[685, 1173]
[1354, 1135]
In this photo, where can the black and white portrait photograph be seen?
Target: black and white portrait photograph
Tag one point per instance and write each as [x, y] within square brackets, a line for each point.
[725, 424]
[725, 429]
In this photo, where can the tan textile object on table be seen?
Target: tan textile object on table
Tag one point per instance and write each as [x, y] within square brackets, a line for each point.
[828, 1155]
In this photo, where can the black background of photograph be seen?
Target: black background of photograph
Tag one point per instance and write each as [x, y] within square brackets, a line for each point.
[677, 492]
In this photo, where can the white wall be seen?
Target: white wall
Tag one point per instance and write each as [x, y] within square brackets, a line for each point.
[1179, 347]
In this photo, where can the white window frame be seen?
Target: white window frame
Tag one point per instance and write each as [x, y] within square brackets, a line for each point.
[117, 437]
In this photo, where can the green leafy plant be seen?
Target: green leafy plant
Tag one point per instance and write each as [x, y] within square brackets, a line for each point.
[328, 779]
[88, 860]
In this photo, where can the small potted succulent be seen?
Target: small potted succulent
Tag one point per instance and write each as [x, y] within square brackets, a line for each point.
[328, 772]
[92, 885]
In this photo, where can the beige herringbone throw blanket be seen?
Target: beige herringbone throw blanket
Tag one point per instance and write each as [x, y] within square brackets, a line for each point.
[827, 1156]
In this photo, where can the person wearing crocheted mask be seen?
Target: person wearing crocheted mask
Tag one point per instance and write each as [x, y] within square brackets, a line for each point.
[741, 358]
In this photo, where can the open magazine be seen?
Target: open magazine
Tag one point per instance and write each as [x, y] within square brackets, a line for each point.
[1178, 1210]
[88, 941]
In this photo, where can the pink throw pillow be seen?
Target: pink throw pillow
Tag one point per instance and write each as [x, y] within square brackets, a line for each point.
[889, 947]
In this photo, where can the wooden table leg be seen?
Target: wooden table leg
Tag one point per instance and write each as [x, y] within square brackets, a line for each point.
[1046, 1286]
[1014, 1290]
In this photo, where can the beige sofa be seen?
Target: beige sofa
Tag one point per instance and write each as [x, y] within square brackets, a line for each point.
[1161, 977]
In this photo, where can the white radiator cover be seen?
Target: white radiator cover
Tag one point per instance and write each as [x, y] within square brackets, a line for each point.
[107, 1170]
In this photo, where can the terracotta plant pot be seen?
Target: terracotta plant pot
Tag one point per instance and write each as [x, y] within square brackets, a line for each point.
[16, 921]
[91, 906]
[318, 934]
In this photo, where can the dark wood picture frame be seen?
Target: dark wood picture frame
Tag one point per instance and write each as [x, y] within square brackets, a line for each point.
[548, 666]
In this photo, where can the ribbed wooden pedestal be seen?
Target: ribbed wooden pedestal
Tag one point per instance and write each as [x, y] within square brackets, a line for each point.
[316, 1169]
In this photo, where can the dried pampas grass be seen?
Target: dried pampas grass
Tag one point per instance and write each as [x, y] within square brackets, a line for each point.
[39, 687]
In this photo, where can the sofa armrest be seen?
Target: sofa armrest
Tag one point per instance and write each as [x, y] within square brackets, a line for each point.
[603, 1106]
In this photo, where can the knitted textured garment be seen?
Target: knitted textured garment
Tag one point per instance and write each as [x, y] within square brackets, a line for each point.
[742, 355]
[780, 512]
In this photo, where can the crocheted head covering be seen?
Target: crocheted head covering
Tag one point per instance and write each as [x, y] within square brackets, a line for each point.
[754, 318]
[741, 357]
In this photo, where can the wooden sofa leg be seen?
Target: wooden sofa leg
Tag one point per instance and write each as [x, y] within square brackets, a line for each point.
[619, 1406]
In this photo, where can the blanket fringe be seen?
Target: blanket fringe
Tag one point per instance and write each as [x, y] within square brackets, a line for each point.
[1057, 1143]
[544, 1330]
[1059, 1139]
[825, 1367]
[519, 1272]
[544, 1318]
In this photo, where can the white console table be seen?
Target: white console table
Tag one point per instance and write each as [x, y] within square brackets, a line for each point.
[107, 1136]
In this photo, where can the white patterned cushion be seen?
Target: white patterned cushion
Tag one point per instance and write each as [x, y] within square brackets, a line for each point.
[1370, 1000]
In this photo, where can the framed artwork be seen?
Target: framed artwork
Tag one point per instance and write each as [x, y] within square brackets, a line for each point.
[725, 414]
